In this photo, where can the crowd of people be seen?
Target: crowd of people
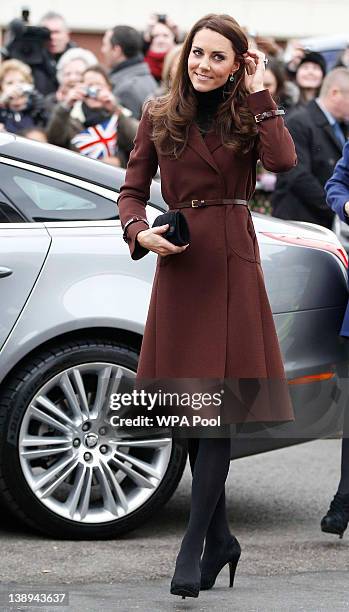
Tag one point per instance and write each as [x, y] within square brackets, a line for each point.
[71, 100]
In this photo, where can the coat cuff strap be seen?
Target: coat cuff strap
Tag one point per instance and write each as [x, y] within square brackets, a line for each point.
[268, 114]
[129, 222]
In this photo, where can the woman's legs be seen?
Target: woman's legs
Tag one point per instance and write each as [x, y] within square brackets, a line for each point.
[218, 530]
[193, 447]
[210, 459]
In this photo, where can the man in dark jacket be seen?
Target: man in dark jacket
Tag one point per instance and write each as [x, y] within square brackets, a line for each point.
[58, 44]
[319, 138]
[130, 75]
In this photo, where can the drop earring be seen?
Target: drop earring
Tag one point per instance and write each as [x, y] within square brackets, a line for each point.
[232, 78]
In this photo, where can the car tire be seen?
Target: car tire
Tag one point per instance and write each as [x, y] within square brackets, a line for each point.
[16, 401]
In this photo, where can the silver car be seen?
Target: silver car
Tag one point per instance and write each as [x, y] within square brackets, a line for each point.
[73, 309]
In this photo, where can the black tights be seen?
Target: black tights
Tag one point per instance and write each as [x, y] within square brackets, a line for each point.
[218, 529]
[209, 460]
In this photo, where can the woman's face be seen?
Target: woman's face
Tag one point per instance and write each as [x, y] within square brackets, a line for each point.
[11, 88]
[309, 76]
[270, 82]
[162, 38]
[211, 60]
[72, 73]
[97, 82]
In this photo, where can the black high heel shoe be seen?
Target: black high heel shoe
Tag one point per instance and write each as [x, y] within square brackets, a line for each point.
[230, 553]
[182, 585]
[185, 589]
[337, 517]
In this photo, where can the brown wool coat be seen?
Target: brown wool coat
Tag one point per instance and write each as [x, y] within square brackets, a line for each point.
[209, 314]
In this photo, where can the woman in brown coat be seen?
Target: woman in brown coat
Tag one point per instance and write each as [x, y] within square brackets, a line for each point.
[209, 317]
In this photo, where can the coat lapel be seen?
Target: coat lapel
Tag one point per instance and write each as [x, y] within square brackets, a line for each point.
[199, 145]
[213, 141]
[329, 131]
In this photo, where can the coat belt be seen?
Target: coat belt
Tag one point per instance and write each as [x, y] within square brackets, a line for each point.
[203, 203]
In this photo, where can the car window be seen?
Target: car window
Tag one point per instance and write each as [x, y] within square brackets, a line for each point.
[42, 198]
[8, 214]
[53, 197]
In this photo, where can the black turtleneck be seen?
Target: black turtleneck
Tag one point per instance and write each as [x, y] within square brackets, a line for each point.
[207, 104]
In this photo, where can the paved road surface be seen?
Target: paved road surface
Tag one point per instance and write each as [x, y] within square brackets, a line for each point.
[276, 501]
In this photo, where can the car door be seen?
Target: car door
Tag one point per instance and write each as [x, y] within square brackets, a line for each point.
[23, 249]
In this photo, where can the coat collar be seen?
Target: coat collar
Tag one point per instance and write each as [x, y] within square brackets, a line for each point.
[204, 147]
[320, 120]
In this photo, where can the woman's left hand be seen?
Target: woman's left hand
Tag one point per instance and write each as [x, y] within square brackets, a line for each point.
[254, 72]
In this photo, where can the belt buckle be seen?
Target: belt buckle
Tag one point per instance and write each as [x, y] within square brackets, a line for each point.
[201, 205]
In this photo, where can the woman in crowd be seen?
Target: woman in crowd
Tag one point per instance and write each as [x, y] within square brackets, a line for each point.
[90, 121]
[168, 71]
[162, 40]
[209, 318]
[21, 106]
[70, 69]
[310, 71]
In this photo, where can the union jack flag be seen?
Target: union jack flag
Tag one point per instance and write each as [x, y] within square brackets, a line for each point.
[98, 141]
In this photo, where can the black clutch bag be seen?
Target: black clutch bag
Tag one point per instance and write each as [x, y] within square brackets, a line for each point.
[178, 231]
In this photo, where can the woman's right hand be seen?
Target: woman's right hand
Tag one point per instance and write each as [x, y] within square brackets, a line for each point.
[152, 240]
[75, 94]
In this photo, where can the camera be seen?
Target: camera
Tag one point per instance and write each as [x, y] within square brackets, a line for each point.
[21, 90]
[29, 44]
[92, 92]
[162, 18]
[25, 89]
[25, 42]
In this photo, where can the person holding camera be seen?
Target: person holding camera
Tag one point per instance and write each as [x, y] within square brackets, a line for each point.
[91, 122]
[40, 47]
[70, 69]
[21, 106]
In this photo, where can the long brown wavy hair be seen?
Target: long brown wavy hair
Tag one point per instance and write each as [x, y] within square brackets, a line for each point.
[173, 114]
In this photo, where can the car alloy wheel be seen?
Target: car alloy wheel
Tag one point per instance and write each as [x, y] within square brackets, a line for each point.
[74, 461]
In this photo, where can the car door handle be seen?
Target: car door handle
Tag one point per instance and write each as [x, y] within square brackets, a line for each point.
[5, 272]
